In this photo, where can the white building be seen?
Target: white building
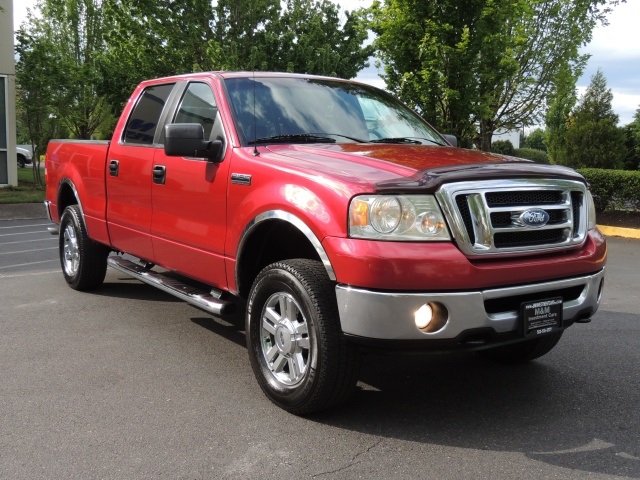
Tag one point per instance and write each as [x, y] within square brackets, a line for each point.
[512, 135]
[8, 166]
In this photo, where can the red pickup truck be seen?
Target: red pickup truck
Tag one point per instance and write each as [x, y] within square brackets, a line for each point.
[344, 220]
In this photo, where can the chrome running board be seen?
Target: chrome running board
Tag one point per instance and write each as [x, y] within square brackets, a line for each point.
[207, 301]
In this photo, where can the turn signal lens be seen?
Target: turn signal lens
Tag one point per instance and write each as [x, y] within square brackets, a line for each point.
[430, 223]
[359, 215]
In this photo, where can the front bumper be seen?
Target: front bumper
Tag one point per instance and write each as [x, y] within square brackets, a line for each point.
[389, 316]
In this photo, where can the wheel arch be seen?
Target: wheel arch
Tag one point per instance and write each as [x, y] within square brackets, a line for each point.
[68, 195]
[273, 236]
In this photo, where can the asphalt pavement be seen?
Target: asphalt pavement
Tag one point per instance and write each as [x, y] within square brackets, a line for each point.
[127, 382]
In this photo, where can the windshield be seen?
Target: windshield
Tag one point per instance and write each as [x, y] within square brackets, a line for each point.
[304, 110]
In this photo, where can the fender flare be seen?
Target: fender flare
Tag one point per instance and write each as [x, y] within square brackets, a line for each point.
[296, 222]
[66, 181]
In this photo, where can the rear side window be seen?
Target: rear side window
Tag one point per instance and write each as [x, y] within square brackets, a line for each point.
[198, 105]
[143, 121]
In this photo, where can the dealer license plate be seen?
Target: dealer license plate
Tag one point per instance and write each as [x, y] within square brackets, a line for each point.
[542, 316]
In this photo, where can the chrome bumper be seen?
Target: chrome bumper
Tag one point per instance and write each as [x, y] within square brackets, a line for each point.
[390, 315]
[55, 230]
[47, 207]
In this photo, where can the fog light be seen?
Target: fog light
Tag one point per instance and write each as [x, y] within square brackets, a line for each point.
[424, 315]
[431, 317]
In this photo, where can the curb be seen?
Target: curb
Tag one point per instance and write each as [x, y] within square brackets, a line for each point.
[22, 211]
[619, 232]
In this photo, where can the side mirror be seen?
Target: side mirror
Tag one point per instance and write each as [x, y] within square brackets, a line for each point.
[187, 140]
[451, 139]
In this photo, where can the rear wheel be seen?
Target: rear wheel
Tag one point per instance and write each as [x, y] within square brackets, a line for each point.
[523, 351]
[296, 349]
[83, 261]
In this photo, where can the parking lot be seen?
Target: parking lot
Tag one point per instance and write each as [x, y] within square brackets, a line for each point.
[127, 382]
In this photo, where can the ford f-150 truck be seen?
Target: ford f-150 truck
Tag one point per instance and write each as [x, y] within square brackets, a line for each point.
[340, 219]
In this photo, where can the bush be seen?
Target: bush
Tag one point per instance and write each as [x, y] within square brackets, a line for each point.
[536, 140]
[538, 156]
[613, 189]
[504, 147]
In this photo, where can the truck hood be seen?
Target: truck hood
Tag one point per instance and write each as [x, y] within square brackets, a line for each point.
[412, 168]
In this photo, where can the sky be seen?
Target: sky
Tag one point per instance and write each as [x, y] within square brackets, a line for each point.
[615, 49]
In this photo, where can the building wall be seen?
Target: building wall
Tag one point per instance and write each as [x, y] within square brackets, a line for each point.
[512, 135]
[8, 166]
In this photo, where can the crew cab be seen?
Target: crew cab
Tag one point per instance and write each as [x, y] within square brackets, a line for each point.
[341, 219]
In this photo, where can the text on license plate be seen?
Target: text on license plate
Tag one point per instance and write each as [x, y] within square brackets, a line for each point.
[542, 316]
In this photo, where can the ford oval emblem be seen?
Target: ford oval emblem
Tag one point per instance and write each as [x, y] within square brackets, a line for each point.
[534, 217]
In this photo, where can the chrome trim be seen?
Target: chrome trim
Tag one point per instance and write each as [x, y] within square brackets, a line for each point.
[66, 181]
[47, 207]
[241, 178]
[390, 315]
[480, 212]
[296, 222]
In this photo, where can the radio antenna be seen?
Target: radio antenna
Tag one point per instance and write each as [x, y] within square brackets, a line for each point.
[256, 153]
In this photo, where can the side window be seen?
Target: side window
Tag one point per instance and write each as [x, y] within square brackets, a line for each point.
[143, 121]
[198, 105]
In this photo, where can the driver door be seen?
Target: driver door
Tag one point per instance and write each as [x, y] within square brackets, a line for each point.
[189, 197]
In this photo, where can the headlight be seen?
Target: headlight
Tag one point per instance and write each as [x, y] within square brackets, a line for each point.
[395, 217]
[591, 211]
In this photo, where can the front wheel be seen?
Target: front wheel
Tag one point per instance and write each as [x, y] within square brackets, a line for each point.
[294, 341]
[523, 351]
[22, 161]
[83, 261]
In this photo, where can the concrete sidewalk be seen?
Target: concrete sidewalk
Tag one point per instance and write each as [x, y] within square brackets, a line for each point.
[27, 211]
[22, 211]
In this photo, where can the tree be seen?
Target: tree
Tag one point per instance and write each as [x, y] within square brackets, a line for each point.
[536, 140]
[34, 96]
[632, 142]
[312, 40]
[57, 63]
[476, 66]
[561, 101]
[593, 138]
[305, 36]
[242, 28]
[148, 39]
[505, 147]
[38, 84]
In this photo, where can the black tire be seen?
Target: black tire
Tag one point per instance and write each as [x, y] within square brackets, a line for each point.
[524, 351]
[21, 161]
[83, 261]
[317, 367]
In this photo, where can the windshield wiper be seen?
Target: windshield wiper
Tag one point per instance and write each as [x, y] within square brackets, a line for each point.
[358, 140]
[294, 138]
[406, 140]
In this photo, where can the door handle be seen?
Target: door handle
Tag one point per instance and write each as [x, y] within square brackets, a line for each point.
[114, 167]
[159, 174]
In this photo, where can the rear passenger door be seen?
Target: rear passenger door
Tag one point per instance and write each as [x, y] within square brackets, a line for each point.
[129, 173]
[189, 200]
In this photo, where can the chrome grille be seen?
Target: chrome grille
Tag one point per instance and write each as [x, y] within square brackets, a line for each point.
[515, 216]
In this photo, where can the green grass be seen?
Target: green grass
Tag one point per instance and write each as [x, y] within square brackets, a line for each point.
[26, 191]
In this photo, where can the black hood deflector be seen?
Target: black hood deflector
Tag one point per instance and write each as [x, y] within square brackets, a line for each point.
[431, 179]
